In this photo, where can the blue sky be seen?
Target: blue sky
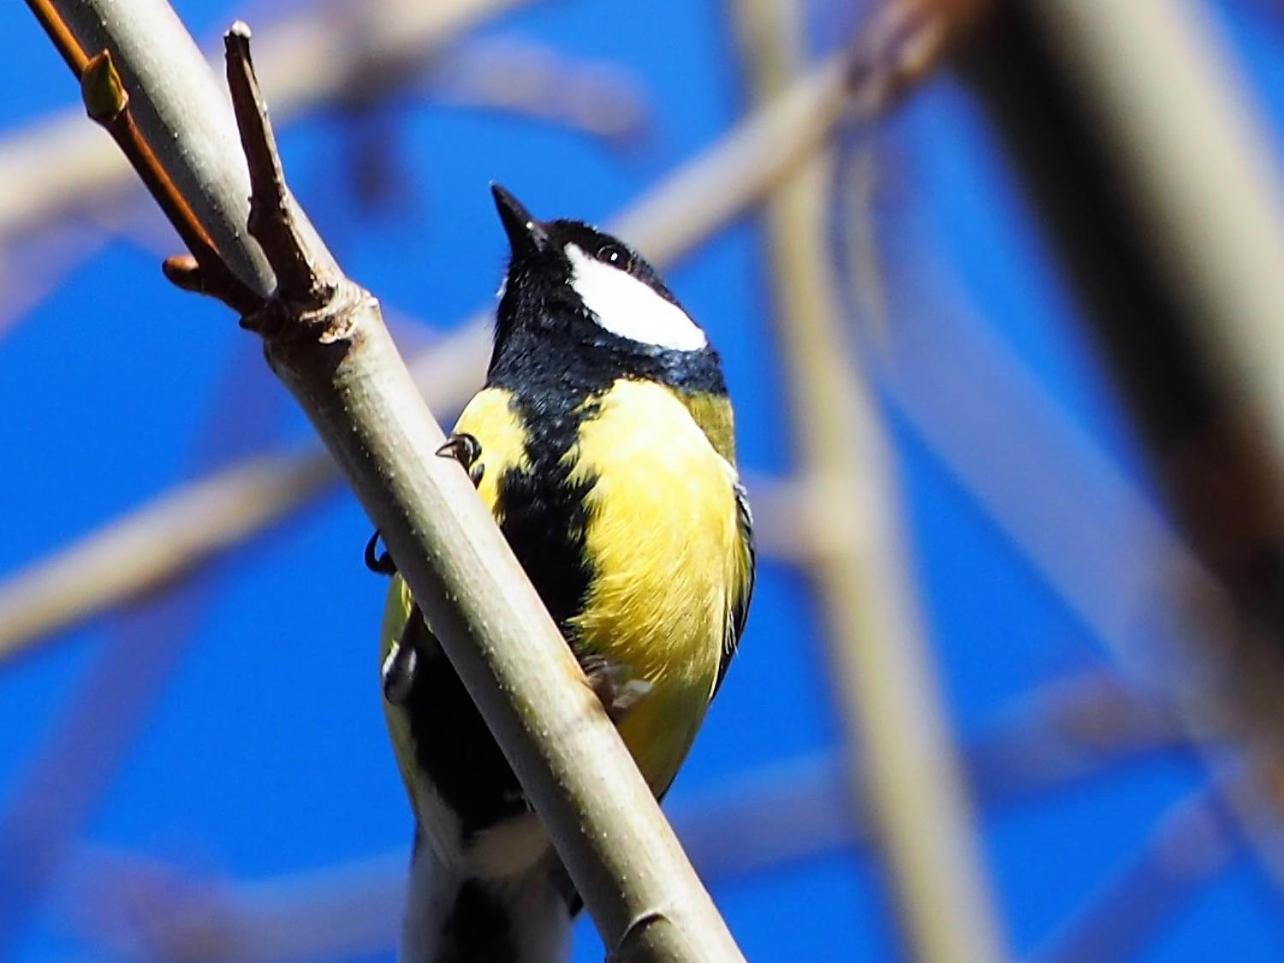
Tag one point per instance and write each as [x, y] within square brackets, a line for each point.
[258, 750]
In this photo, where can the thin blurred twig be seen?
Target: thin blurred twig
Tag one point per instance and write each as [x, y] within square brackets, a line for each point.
[109, 705]
[900, 746]
[136, 557]
[1012, 448]
[29, 275]
[520, 77]
[1191, 843]
[65, 166]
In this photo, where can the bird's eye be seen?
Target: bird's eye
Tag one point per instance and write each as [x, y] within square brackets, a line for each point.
[613, 254]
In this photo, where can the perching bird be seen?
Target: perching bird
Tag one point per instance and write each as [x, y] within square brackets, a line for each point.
[603, 445]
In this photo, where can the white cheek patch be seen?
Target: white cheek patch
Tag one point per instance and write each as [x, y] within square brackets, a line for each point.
[627, 307]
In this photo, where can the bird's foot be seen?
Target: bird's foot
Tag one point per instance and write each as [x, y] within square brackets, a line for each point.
[617, 688]
[380, 563]
[399, 666]
[465, 449]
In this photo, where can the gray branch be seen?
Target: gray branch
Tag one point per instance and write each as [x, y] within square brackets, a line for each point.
[325, 338]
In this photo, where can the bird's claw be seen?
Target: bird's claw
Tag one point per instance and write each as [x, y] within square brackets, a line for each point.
[465, 449]
[618, 690]
[398, 673]
[380, 564]
[401, 662]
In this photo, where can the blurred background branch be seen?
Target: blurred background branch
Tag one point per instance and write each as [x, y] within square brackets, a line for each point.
[66, 168]
[1166, 215]
[1160, 198]
[899, 743]
[1194, 839]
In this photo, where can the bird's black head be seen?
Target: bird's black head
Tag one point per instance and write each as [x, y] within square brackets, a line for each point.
[576, 298]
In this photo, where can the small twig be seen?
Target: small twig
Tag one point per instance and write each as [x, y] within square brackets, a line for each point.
[63, 164]
[107, 104]
[60, 33]
[272, 222]
[1193, 840]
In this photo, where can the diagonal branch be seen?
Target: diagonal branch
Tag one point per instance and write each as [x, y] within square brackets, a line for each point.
[65, 168]
[1192, 841]
[325, 339]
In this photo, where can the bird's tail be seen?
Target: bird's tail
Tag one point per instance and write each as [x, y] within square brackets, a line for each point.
[452, 917]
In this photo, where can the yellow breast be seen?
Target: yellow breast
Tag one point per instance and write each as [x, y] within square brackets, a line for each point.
[664, 546]
[663, 540]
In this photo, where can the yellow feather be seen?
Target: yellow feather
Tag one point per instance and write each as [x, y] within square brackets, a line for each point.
[667, 553]
[713, 414]
[664, 542]
[490, 418]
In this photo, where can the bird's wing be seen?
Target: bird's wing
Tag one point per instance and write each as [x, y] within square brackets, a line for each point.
[744, 574]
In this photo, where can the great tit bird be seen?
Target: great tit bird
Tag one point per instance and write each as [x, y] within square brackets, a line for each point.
[603, 444]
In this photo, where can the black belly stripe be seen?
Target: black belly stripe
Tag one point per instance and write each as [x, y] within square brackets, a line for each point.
[454, 747]
[478, 929]
[543, 518]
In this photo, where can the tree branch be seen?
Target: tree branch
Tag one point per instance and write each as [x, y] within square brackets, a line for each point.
[1192, 841]
[324, 337]
[65, 168]
[901, 756]
[1164, 211]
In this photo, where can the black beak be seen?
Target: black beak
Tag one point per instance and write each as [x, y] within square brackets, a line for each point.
[525, 234]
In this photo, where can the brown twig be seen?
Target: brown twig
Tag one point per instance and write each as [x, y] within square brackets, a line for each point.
[60, 34]
[107, 104]
[66, 169]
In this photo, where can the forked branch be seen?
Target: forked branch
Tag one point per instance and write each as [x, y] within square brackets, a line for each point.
[325, 338]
